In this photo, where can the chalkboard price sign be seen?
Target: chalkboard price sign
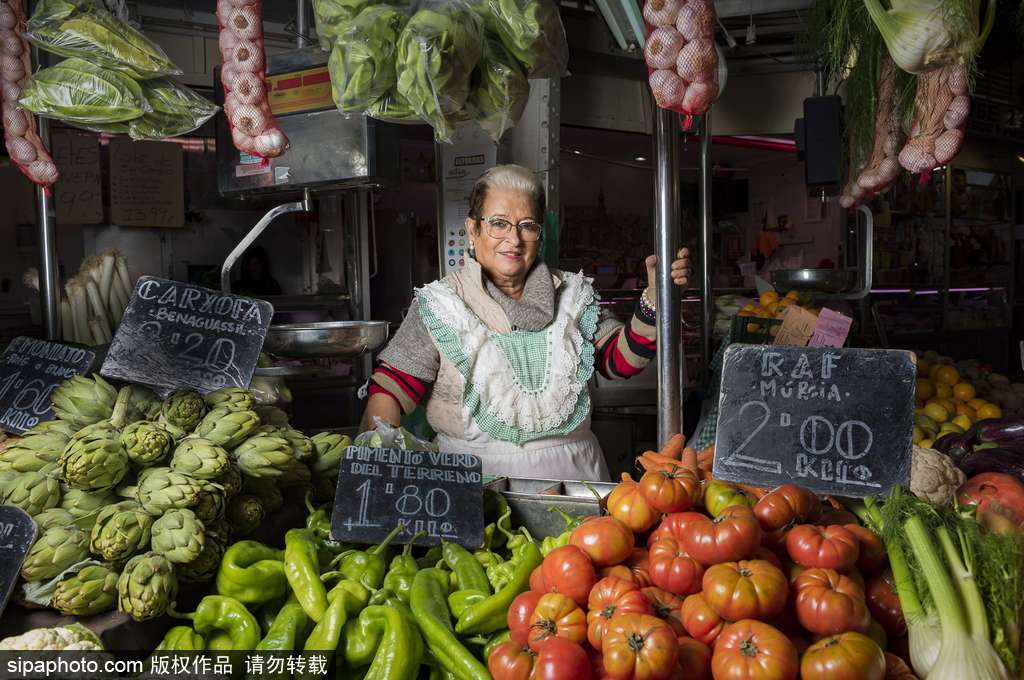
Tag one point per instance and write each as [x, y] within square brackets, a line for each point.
[178, 336]
[379, 489]
[837, 421]
[30, 369]
[17, 534]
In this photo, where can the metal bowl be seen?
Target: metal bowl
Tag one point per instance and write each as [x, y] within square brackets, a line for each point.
[821, 280]
[345, 339]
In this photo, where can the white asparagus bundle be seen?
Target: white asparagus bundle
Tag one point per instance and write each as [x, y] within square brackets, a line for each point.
[681, 54]
[941, 107]
[882, 167]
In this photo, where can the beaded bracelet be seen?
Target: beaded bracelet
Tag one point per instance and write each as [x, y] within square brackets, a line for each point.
[646, 308]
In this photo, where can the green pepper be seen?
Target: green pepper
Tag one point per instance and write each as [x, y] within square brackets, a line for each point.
[400, 651]
[402, 570]
[363, 634]
[429, 607]
[346, 599]
[432, 557]
[496, 639]
[289, 624]
[181, 639]
[552, 542]
[302, 569]
[461, 600]
[500, 574]
[252, 573]
[367, 567]
[499, 516]
[490, 614]
[224, 623]
[718, 496]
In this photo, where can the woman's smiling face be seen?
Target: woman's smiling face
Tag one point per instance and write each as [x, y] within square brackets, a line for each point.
[509, 258]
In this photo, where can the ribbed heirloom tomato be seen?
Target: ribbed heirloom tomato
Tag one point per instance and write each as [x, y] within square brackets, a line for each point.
[872, 555]
[639, 564]
[606, 540]
[557, 616]
[787, 505]
[884, 604]
[639, 647]
[751, 650]
[509, 661]
[519, 614]
[666, 606]
[831, 547]
[560, 659]
[670, 490]
[627, 504]
[611, 597]
[672, 569]
[828, 603]
[745, 590]
[567, 570]
[672, 526]
[700, 620]
[849, 656]
[733, 535]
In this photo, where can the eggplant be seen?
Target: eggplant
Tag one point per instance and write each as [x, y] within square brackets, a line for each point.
[1000, 431]
[955, 445]
[1005, 460]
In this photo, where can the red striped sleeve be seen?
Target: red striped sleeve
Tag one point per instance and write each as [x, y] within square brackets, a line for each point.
[407, 390]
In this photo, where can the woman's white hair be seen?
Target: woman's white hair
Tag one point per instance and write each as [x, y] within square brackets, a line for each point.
[514, 177]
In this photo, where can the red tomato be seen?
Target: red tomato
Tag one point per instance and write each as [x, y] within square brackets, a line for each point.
[537, 580]
[745, 590]
[751, 650]
[828, 603]
[787, 505]
[849, 656]
[832, 547]
[897, 669]
[639, 564]
[836, 516]
[884, 604]
[557, 616]
[519, 614]
[559, 659]
[639, 647]
[855, 576]
[672, 569]
[568, 570]
[509, 661]
[872, 551]
[670, 490]
[610, 597]
[666, 606]
[673, 525]
[700, 620]
[694, 660]
[996, 491]
[768, 555]
[605, 540]
[618, 571]
[627, 504]
[733, 535]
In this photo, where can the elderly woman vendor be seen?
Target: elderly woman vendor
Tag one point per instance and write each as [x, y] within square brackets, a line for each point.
[503, 349]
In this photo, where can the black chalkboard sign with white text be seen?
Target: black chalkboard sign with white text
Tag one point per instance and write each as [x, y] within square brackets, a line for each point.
[30, 369]
[17, 534]
[836, 421]
[178, 336]
[379, 489]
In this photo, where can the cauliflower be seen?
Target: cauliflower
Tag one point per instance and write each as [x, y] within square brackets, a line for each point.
[933, 476]
[72, 637]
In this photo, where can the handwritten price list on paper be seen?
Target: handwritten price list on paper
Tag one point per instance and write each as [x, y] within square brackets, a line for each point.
[146, 184]
[837, 421]
[30, 370]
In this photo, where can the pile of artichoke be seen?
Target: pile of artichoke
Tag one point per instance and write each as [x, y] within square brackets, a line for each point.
[132, 494]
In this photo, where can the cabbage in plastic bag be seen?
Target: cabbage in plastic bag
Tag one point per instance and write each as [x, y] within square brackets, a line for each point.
[80, 30]
[333, 17]
[177, 110]
[437, 52]
[84, 93]
[532, 31]
[499, 90]
[362, 63]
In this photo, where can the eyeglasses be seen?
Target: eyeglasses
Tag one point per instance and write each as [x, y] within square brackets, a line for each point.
[500, 228]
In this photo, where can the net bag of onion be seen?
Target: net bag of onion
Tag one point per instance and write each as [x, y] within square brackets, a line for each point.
[681, 56]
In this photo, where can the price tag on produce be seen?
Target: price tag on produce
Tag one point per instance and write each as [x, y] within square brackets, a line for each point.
[438, 493]
[837, 421]
[30, 369]
[17, 534]
[178, 336]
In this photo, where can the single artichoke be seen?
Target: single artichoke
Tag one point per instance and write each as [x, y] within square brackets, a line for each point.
[219, 532]
[143, 404]
[85, 506]
[92, 590]
[33, 452]
[53, 426]
[121, 530]
[263, 455]
[199, 458]
[271, 415]
[163, 489]
[54, 517]
[211, 504]
[56, 550]
[266, 429]
[146, 443]
[33, 492]
[232, 398]
[245, 513]
[267, 491]
[178, 536]
[146, 587]
[302, 446]
[296, 475]
[204, 567]
[230, 480]
[183, 409]
[329, 447]
[226, 427]
[83, 401]
[95, 459]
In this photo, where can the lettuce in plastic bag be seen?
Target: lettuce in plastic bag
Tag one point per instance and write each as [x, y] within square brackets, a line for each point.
[85, 93]
[532, 31]
[177, 110]
[393, 108]
[499, 90]
[362, 63]
[332, 18]
[437, 52]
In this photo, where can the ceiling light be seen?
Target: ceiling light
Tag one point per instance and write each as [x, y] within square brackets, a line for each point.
[640, 159]
[576, 151]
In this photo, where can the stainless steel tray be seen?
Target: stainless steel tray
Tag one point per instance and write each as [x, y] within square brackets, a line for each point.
[532, 501]
[821, 280]
[344, 339]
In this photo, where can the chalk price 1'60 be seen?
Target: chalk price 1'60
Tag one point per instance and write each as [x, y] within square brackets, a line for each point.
[30, 404]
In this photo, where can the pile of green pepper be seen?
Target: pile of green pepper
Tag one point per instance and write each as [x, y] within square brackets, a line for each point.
[375, 613]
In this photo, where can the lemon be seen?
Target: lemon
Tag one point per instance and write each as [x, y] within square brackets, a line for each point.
[950, 427]
[989, 411]
[948, 375]
[936, 412]
[943, 391]
[966, 410]
[963, 421]
[927, 425]
[933, 371]
[918, 435]
[925, 388]
[926, 443]
[976, 403]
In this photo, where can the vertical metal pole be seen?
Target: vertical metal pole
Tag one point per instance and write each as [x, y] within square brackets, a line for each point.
[49, 284]
[946, 260]
[707, 306]
[301, 24]
[666, 239]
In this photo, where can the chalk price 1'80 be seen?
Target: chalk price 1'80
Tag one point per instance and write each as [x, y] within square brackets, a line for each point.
[435, 502]
[33, 397]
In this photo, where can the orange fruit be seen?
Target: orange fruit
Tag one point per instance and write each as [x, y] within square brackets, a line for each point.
[768, 297]
[948, 375]
[793, 296]
[943, 391]
[933, 371]
[989, 411]
[925, 389]
[964, 391]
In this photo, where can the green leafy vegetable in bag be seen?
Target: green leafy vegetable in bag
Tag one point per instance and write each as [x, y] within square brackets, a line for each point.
[177, 110]
[532, 31]
[81, 92]
[393, 108]
[499, 90]
[437, 53]
[333, 17]
[362, 64]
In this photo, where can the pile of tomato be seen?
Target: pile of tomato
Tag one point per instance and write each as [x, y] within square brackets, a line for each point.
[695, 579]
